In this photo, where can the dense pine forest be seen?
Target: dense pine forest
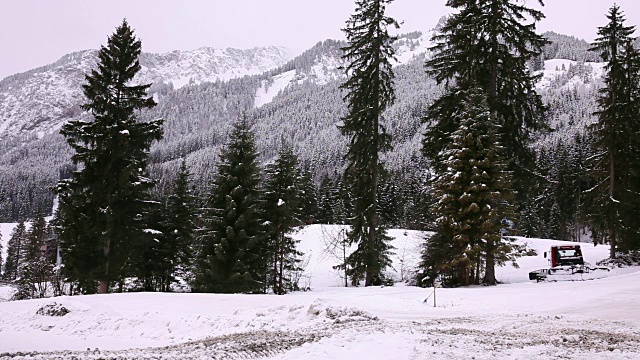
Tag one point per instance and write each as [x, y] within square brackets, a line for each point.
[537, 136]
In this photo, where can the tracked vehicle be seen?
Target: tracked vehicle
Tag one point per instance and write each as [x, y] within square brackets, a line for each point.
[567, 264]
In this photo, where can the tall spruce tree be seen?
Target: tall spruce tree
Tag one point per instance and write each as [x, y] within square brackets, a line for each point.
[233, 255]
[475, 199]
[369, 93]
[488, 44]
[16, 252]
[283, 212]
[37, 267]
[102, 207]
[614, 201]
[309, 195]
[179, 229]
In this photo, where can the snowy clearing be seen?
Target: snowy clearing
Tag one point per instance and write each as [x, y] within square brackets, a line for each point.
[267, 92]
[577, 320]
[555, 68]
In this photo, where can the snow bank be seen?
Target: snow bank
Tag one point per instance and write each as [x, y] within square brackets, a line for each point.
[521, 319]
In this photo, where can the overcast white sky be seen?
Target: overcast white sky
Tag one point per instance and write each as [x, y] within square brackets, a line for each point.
[38, 32]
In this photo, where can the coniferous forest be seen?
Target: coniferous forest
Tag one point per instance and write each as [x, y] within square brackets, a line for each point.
[463, 143]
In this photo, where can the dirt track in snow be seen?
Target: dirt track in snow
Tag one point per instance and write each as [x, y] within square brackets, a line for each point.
[514, 337]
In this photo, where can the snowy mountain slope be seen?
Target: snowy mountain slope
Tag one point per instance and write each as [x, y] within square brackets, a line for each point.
[322, 64]
[563, 74]
[299, 100]
[519, 320]
[208, 64]
[267, 92]
[413, 45]
[41, 100]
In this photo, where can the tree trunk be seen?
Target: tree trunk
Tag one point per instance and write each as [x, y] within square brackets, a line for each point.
[281, 275]
[103, 287]
[374, 199]
[104, 284]
[370, 240]
[614, 211]
[490, 268]
[276, 248]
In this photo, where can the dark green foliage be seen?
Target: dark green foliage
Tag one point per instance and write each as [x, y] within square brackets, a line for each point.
[326, 213]
[283, 211]
[482, 54]
[167, 255]
[149, 255]
[102, 208]
[486, 44]
[16, 252]
[558, 202]
[389, 201]
[615, 167]
[369, 261]
[335, 204]
[37, 271]
[179, 229]
[369, 93]
[233, 257]
[418, 201]
[475, 201]
[309, 197]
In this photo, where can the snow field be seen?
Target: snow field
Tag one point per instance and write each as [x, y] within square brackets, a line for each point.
[553, 68]
[519, 320]
[266, 93]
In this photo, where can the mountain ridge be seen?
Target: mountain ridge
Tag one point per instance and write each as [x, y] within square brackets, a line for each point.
[42, 99]
[298, 101]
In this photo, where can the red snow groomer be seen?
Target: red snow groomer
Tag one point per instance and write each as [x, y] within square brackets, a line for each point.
[567, 264]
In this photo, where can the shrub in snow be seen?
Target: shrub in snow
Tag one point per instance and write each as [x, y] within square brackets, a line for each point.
[53, 309]
[622, 260]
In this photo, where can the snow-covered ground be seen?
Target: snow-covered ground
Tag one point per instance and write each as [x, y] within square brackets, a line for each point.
[597, 319]
[556, 68]
[266, 93]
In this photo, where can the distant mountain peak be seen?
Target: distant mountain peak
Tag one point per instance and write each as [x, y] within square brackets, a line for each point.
[42, 99]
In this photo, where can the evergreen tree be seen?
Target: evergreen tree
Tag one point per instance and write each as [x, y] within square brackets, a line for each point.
[283, 212]
[16, 252]
[614, 200]
[342, 200]
[309, 197]
[233, 257]
[485, 44]
[369, 93]
[102, 208]
[388, 200]
[167, 254]
[150, 257]
[325, 201]
[37, 269]
[474, 200]
[179, 229]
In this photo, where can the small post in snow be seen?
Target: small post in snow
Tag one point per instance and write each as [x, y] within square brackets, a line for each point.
[434, 292]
